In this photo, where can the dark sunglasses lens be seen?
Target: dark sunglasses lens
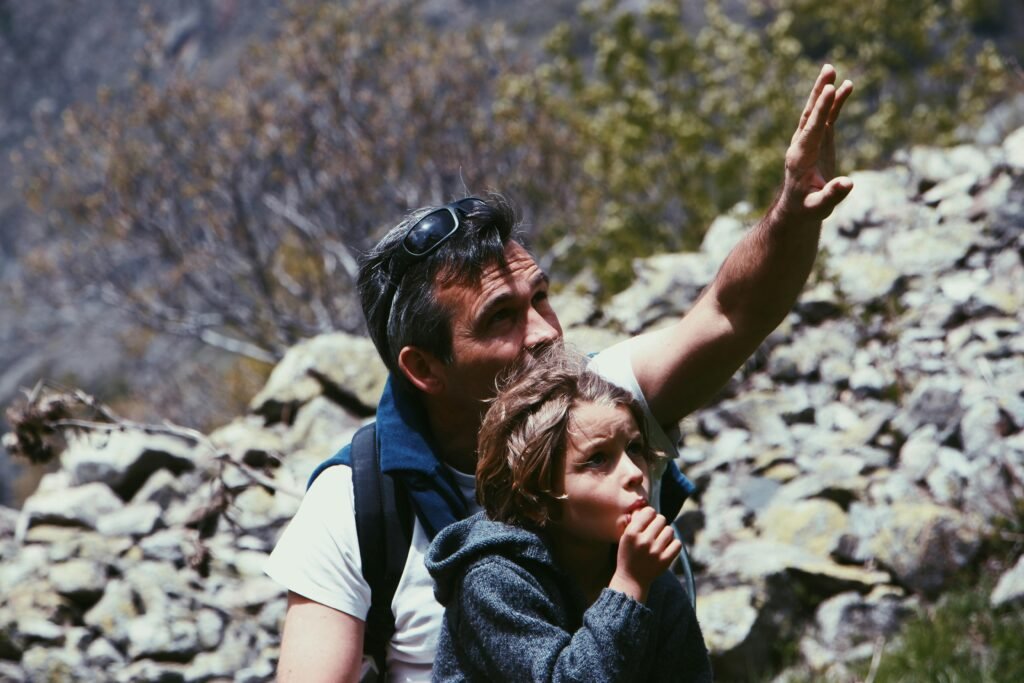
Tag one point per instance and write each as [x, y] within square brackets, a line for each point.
[470, 204]
[431, 229]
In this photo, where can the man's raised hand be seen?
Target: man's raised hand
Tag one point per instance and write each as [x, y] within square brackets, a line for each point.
[810, 191]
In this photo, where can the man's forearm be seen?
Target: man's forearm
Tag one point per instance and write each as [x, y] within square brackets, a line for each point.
[763, 275]
[680, 367]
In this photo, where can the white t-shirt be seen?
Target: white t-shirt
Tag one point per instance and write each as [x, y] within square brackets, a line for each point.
[318, 555]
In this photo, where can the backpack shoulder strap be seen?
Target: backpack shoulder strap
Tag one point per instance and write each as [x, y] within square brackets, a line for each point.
[384, 527]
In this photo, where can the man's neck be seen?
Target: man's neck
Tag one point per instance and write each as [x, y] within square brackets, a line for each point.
[455, 429]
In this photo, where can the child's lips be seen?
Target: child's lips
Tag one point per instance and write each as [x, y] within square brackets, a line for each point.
[638, 504]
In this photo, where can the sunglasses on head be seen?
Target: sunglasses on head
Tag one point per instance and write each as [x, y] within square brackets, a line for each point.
[425, 236]
[431, 231]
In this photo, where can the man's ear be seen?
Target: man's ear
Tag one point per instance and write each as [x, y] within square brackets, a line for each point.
[423, 369]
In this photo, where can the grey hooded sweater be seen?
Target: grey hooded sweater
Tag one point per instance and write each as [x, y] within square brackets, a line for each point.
[511, 614]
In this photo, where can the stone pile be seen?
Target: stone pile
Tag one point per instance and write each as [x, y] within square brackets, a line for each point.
[845, 475]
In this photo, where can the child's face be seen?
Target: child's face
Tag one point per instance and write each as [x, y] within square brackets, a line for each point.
[605, 477]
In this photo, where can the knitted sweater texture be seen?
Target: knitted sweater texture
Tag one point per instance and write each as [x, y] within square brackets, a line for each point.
[511, 614]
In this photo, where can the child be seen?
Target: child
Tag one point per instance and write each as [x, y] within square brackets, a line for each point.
[563, 576]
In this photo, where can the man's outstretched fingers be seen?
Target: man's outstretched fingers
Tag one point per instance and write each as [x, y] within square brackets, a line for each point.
[825, 76]
[842, 93]
[803, 152]
[819, 116]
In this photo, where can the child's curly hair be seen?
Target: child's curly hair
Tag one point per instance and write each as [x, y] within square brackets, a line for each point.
[524, 435]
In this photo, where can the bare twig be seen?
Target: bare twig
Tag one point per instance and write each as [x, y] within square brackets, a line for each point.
[876, 660]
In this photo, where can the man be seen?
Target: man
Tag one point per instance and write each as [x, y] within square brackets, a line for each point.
[451, 299]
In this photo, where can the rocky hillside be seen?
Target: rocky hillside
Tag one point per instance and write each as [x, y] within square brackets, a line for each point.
[846, 475]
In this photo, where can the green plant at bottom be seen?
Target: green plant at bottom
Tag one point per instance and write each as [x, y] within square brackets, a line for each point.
[962, 638]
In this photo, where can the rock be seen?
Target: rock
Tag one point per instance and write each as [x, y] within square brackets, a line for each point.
[132, 520]
[931, 249]
[935, 402]
[813, 525]
[923, 544]
[101, 655]
[588, 339]
[112, 614]
[931, 166]
[754, 412]
[42, 663]
[1013, 150]
[864, 278]
[260, 671]
[723, 234]
[1010, 587]
[209, 628]
[323, 426]
[847, 620]
[173, 546]
[804, 356]
[125, 459]
[256, 592]
[727, 618]
[755, 561]
[8, 522]
[577, 302]
[983, 423]
[834, 485]
[148, 670]
[821, 302]
[877, 198]
[80, 506]
[37, 630]
[80, 580]
[162, 488]
[153, 636]
[349, 370]
[12, 673]
[946, 481]
[226, 661]
[667, 283]
[919, 453]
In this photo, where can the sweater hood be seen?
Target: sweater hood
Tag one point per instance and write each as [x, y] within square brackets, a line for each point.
[461, 544]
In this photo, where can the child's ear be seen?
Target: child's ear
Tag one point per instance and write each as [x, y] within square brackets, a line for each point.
[423, 369]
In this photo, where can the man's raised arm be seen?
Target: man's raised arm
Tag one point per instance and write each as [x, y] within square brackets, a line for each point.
[681, 367]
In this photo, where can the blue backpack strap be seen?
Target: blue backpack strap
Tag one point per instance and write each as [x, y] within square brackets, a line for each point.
[384, 528]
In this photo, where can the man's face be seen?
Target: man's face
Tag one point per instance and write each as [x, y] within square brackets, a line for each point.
[495, 322]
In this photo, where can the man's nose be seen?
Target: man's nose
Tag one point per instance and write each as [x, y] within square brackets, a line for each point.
[540, 331]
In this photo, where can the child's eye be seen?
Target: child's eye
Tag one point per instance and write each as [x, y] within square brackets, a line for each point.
[596, 460]
[635, 449]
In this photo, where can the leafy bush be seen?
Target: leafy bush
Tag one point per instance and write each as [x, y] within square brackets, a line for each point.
[674, 121]
[232, 212]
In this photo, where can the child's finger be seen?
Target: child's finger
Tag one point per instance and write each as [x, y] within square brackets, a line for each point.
[662, 540]
[672, 550]
[640, 519]
[654, 527]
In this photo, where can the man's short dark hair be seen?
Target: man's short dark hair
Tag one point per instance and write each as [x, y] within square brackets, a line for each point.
[411, 315]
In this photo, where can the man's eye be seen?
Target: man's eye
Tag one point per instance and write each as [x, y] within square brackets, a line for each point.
[540, 296]
[500, 316]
